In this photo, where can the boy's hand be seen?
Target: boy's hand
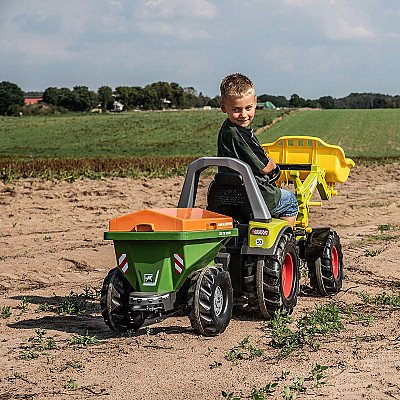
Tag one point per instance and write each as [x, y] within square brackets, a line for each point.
[269, 167]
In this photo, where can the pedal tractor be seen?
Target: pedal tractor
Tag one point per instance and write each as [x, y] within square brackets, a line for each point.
[201, 262]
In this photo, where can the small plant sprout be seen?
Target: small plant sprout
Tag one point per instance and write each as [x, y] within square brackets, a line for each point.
[318, 374]
[384, 227]
[6, 312]
[28, 355]
[229, 396]
[298, 384]
[71, 384]
[215, 364]
[288, 394]
[381, 299]
[266, 391]
[372, 253]
[244, 351]
[23, 306]
[83, 340]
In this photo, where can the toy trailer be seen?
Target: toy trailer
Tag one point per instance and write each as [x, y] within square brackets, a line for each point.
[159, 253]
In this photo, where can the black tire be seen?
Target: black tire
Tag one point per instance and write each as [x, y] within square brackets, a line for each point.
[210, 301]
[272, 282]
[326, 273]
[114, 303]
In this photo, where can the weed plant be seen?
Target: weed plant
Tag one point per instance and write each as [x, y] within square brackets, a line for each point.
[74, 304]
[288, 334]
[6, 312]
[243, 351]
[290, 391]
[381, 299]
[83, 340]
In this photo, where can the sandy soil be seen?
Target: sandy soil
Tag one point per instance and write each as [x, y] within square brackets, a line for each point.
[51, 245]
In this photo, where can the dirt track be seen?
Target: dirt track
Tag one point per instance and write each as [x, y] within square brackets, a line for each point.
[51, 244]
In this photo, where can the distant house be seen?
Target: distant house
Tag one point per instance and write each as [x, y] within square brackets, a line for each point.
[117, 106]
[267, 105]
[28, 100]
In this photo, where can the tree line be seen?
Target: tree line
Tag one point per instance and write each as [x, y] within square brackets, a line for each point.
[162, 95]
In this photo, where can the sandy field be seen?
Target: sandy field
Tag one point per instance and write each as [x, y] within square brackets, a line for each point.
[51, 242]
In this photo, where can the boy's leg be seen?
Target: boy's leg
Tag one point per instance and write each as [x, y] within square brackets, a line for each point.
[287, 208]
[291, 220]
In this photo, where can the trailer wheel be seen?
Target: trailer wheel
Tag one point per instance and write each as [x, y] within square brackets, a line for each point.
[210, 301]
[277, 278]
[114, 303]
[326, 273]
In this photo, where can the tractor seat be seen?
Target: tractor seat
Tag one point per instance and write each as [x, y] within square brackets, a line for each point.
[227, 195]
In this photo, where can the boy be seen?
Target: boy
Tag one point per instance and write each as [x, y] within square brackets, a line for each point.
[236, 139]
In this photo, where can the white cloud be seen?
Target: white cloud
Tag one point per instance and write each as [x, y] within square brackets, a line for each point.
[341, 29]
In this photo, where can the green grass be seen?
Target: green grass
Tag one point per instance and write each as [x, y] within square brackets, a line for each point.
[180, 133]
[162, 144]
[361, 133]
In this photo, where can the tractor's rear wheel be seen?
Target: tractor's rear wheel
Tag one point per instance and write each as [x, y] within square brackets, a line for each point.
[210, 301]
[114, 303]
[326, 273]
[272, 282]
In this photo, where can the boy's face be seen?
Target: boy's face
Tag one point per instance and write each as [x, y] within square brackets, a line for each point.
[240, 111]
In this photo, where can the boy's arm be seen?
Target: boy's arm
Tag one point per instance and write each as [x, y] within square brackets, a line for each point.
[240, 149]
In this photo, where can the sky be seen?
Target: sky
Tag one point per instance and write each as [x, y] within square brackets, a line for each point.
[308, 47]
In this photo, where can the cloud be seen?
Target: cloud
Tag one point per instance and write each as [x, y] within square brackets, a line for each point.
[38, 23]
[341, 29]
[178, 19]
[169, 9]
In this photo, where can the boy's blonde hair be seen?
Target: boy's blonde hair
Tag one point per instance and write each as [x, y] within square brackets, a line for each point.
[236, 86]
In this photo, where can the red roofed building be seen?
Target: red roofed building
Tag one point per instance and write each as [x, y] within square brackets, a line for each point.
[32, 100]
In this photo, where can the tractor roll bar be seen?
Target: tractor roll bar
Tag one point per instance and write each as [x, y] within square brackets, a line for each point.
[189, 189]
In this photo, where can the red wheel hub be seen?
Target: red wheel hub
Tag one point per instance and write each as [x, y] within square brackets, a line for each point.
[287, 275]
[335, 262]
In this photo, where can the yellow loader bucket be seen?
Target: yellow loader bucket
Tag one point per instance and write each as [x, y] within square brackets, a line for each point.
[308, 150]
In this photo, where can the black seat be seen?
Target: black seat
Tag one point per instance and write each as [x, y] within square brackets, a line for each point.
[227, 195]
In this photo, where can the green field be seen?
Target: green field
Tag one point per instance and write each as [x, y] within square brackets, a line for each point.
[361, 133]
[169, 133]
[162, 143]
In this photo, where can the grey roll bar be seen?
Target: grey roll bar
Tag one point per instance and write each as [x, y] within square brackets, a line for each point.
[189, 189]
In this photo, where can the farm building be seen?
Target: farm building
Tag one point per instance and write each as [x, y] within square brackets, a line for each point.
[32, 100]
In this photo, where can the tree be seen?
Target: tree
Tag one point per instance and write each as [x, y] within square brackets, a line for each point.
[150, 98]
[327, 102]
[82, 99]
[296, 101]
[11, 96]
[51, 96]
[105, 96]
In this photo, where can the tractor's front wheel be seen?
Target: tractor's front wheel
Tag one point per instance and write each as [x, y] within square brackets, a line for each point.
[326, 273]
[277, 278]
[210, 301]
[114, 303]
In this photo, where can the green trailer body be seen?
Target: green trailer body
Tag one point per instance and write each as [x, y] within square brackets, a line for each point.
[160, 262]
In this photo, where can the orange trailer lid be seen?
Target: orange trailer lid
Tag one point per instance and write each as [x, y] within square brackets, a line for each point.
[171, 220]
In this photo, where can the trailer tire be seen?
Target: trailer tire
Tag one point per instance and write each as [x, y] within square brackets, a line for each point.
[277, 278]
[210, 301]
[326, 272]
[114, 303]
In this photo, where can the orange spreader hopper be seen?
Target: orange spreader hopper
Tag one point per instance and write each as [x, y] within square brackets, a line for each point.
[171, 220]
